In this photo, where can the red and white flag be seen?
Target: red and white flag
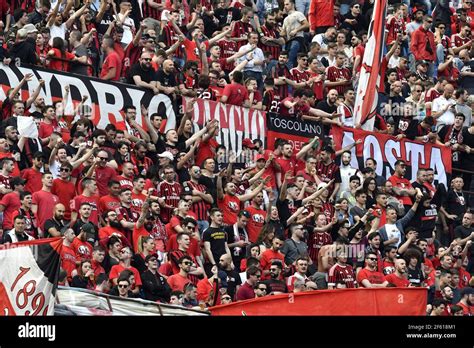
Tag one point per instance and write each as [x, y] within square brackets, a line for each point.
[29, 277]
[365, 107]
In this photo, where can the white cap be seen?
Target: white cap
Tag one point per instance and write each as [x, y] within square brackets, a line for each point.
[167, 155]
[164, 15]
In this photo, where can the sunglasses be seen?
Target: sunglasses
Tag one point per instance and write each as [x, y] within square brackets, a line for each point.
[147, 59]
[372, 259]
[190, 227]
[187, 263]
[258, 275]
[64, 170]
[123, 286]
[262, 289]
[103, 158]
[226, 298]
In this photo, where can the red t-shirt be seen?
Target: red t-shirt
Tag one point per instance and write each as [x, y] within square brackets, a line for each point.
[11, 202]
[397, 281]
[236, 94]
[124, 182]
[68, 259]
[103, 176]
[287, 165]
[33, 180]
[66, 191]
[268, 257]
[401, 183]
[177, 282]
[107, 203]
[60, 65]
[112, 61]
[117, 269]
[230, 206]
[82, 249]
[205, 150]
[93, 201]
[255, 223]
[45, 202]
[374, 277]
[137, 201]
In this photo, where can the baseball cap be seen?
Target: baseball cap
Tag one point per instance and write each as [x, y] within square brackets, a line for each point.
[30, 28]
[151, 256]
[422, 62]
[223, 278]
[259, 157]
[248, 143]
[167, 155]
[16, 180]
[467, 291]
[88, 228]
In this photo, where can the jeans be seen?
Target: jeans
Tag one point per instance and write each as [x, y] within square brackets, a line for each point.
[293, 49]
[302, 6]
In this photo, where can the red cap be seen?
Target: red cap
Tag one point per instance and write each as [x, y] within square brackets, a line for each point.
[259, 157]
[248, 143]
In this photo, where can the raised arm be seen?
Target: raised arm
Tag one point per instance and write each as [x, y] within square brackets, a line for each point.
[35, 95]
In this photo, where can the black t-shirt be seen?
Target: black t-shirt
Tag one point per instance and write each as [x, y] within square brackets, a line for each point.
[233, 280]
[77, 228]
[466, 158]
[237, 253]
[146, 75]
[51, 223]
[162, 146]
[211, 186]
[217, 237]
[415, 276]
[284, 210]
[166, 80]
[467, 82]
[455, 204]
[463, 232]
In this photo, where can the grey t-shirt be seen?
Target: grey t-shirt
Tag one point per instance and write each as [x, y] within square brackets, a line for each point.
[78, 68]
[293, 250]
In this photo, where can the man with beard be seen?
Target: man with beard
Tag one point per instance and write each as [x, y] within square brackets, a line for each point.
[467, 301]
[399, 277]
[155, 286]
[402, 186]
[450, 136]
[53, 227]
[112, 65]
[270, 40]
[80, 51]
[112, 228]
[258, 216]
[103, 173]
[275, 284]
[44, 202]
[281, 74]
[112, 200]
[339, 77]
[233, 277]
[166, 79]
[416, 22]
[125, 264]
[142, 74]
[89, 195]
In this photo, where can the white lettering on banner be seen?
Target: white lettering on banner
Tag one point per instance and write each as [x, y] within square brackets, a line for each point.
[235, 123]
[388, 152]
[296, 125]
[111, 97]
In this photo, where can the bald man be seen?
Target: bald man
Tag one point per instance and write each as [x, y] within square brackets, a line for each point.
[53, 227]
[142, 74]
[166, 79]
[399, 278]
[443, 107]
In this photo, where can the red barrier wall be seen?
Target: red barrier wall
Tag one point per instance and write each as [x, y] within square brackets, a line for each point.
[389, 301]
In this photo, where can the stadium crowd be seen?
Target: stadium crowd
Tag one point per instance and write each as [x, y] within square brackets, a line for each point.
[175, 217]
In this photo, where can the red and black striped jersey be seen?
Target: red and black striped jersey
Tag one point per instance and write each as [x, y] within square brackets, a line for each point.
[274, 50]
[279, 71]
[299, 75]
[170, 192]
[318, 86]
[169, 37]
[316, 241]
[335, 74]
[208, 94]
[131, 56]
[174, 256]
[394, 26]
[339, 274]
[228, 49]
[271, 101]
[458, 41]
[200, 208]
[241, 29]
[150, 12]
[327, 172]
